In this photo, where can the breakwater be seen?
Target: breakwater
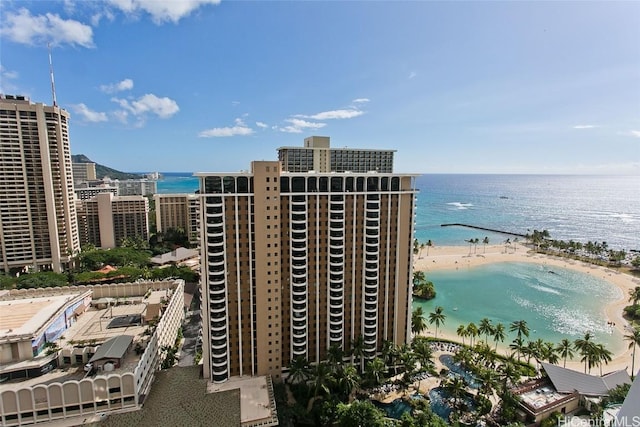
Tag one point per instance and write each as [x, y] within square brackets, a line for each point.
[475, 227]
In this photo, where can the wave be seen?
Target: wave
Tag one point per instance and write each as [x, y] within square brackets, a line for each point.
[546, 289]
[460, 205]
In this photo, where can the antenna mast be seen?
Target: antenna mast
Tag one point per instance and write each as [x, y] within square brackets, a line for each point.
[53, 84]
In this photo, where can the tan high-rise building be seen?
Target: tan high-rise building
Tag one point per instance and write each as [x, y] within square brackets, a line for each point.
[178, 211]
[318, 156]
[38, 225]
[295, 262]
[105, 220]
[83, 172]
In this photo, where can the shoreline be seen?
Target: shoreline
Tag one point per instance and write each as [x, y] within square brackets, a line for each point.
[440, 258]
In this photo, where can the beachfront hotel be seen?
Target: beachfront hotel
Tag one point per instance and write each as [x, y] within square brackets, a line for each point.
[294, 262]
[178, 211]
[317, 155]
[38, 226]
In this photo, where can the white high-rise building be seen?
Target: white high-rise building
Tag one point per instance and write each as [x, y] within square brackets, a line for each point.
[38, 224]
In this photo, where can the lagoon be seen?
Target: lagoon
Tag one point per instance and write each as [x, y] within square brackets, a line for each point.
[556, 302]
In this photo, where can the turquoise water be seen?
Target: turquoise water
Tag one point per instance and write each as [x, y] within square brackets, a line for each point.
[556, 302]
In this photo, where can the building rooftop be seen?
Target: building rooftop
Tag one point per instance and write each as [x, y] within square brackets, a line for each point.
[24, 317]
[568, 381]
[257, 403]
[630, 410]
[113, 348]
[176, 256]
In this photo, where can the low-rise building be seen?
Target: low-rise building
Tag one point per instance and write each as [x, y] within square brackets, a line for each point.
[124, 351]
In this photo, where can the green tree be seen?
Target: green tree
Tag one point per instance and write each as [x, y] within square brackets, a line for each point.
[437, 317]
[43, 279]
[486, 329]
[375, 371]
[298, 370]
[473, 332]
[357, 350]
[462, 332]
[360, 414]
[634, 295]
[520, 327]
[485, 242]
[322, 379]
[422, 351]
[347, 379]
[586, 348]
[498, 334]
[565, 349]
[418, 323]
[634, 342]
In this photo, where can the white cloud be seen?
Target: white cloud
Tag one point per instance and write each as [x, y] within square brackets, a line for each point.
[262, 125]
[635, 133]
[126, 84]
[240, 128]
[97, 17]
[333, 114]
[161, 11]
[412, 74]
[149, 103]
[24, 28]
[89, 115]
[360, 100]
[298, 126]
[584, 126]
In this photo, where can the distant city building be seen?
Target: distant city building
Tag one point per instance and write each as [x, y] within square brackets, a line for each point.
[318, 156]
[134, 187]
[38, 225]
[105, 220]
[83, 172]
[294, 262]
[86, 192]
[178, 211]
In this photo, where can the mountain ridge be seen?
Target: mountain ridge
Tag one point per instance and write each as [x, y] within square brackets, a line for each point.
[104, 171]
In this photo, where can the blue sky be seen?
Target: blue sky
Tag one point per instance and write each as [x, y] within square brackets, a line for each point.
[455, 87]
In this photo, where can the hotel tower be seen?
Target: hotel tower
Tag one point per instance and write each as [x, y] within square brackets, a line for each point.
[38, 225]
[294, 262]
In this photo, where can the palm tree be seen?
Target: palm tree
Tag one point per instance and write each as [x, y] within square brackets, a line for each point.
[508, 372]
[386, 353]
[472, 331]
[418, 323]
[335, 356]
[565, 349]
[498, 334]
[520, 327]
[485, 328]
[375, 371]
[348, 379]
[407, 360]
[455, 386]
[602, 355]
[470, 241]
[416, 246]
[485, 242]
[462, 332]
[586, 348]
[550, 353]
[357, 350]
[437, 317]
[322, 379]
[298, 370]
[422, 351]
[634, 341]
[429, 244]
[422, 245]
[488, 379]
[518, 346]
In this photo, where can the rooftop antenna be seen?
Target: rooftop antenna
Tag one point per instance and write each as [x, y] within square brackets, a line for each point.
[53, 84]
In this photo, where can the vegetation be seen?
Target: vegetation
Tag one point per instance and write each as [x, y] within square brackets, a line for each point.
[422, 288]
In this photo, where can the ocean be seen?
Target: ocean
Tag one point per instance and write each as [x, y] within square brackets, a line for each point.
[578, 207]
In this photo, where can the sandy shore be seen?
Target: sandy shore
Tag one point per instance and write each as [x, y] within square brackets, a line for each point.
[457, 257]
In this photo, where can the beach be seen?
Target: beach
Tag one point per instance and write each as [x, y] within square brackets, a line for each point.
[461, 257]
